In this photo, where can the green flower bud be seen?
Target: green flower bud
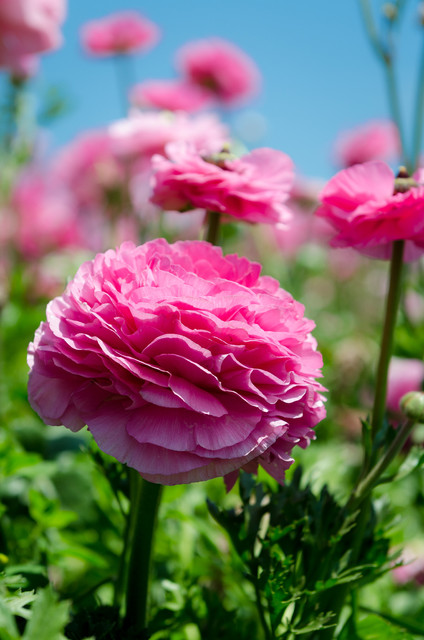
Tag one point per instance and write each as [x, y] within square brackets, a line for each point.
[412, 405]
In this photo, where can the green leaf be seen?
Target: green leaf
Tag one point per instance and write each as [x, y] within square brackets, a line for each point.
[8, 628]
[48, 619]
[374, 628]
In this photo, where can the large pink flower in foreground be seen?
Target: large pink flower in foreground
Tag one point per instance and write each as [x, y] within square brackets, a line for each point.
[124, 32]
[253, 188]
[221, 68]
[360, 204]
[183, 363]
[29, 27]
[376, 140]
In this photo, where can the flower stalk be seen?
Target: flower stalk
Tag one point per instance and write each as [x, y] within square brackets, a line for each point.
[214, 221]
[392, 305]
[145, 497]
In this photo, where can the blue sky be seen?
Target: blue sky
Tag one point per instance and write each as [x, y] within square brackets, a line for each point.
[319, 73]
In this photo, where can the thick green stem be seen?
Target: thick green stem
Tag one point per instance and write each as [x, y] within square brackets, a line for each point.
[212, 234]
[392, 304]
[145, 497]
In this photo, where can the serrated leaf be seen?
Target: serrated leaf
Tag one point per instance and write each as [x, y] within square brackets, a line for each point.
[375, 628]
[48, 619]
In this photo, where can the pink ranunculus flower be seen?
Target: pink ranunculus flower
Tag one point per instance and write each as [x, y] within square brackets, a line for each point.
[253, 188]
[221, 68]
[142, 135]
[45, 216]
[184, 364]
[360, 204]
[376, 140]
[405, 374]
[124, 32]
[29, 27]
[171, 95]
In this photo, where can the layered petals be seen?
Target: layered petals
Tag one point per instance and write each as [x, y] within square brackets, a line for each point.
[183, 363]
[360, 204]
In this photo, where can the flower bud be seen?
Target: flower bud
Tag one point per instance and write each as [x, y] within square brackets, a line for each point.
[390, 11]
[412, 405]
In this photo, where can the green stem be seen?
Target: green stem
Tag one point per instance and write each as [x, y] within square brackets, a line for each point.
[125, 78]
[267, 634]
[366, 485]
[145, 497]
[386, 58]
[212, 234]
[392, 304]
[419, 114]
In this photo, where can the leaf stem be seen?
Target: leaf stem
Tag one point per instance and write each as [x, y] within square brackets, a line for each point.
[145, 497]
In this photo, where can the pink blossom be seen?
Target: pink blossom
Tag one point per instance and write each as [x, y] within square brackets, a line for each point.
[88, 167]
[28, 27]
[360, 205]
[184, 364]
[221, 68]
[252, 188]
[144, 134]
[171, 95]
[376, 140]
[405, 374]
[412, 571]
[124, 32]
[45, 218]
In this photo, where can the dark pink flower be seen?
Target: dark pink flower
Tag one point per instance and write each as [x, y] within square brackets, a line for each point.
[124, 32]
[221, 68]
[184, 364]
[252, 188]
[405, 374]
[376, 140]
[29, 27]
[171, 95]
[360, 205]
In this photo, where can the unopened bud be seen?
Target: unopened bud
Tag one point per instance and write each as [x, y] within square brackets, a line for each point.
[403, 181]
[390, 11]
[412, 406]
[421, 13]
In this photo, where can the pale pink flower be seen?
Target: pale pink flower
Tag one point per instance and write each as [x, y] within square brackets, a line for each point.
[221, 68]
[29, 27]
[171, 95]
[88, 167]
[412, 571]
[124, 32]
[142, 135]
[253, 188]
[45, 217]
[405, 374]
[20, 66]
[360, 205]
[376, 140]
[184, 364]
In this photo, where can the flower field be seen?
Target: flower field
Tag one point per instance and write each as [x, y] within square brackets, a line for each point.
[211, 365]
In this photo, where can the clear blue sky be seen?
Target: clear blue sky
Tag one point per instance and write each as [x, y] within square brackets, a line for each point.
[319, 73]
